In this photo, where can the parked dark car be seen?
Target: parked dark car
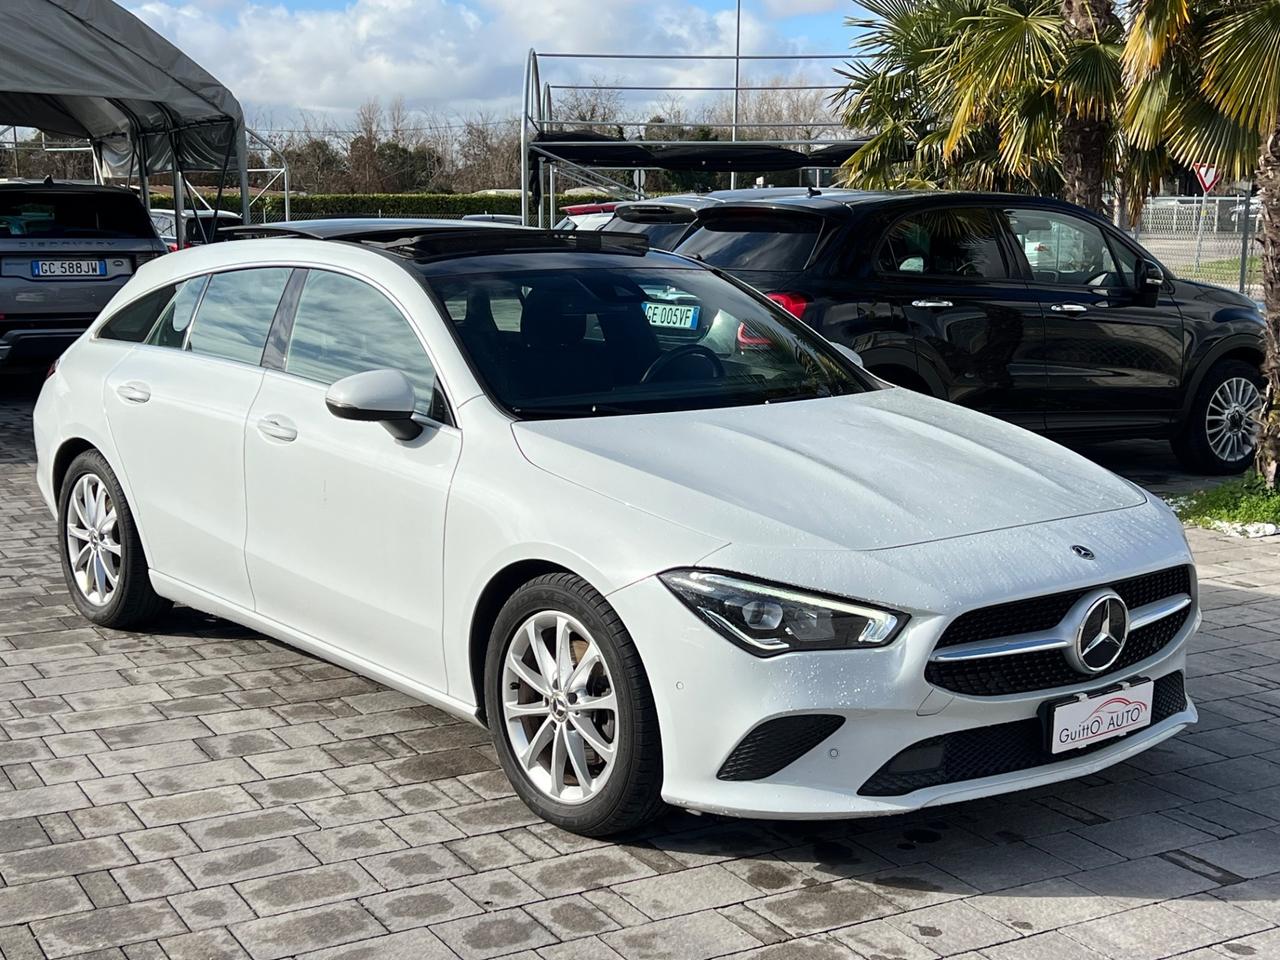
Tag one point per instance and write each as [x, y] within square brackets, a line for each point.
[1030, 309]
[65, 249]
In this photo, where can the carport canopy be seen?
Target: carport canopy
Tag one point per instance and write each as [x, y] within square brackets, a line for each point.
[91, 69]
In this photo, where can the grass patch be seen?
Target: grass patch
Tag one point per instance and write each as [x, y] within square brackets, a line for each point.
[1221, 271]
[1241, 500]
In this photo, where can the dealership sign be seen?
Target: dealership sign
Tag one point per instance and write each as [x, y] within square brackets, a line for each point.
[1079, 723]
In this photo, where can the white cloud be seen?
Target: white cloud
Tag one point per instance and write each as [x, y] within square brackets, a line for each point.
[447, 56]
[797, 8]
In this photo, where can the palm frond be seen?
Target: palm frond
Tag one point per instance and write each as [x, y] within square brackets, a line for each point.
[1156, 25]
[1091, 81]
[1242, 64]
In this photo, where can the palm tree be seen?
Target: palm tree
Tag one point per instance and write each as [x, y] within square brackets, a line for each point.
[1204, 79]
[1019, 95]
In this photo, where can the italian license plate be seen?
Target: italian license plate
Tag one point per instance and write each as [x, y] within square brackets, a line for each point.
[46, 269]
[1080, 722]
[671, 315]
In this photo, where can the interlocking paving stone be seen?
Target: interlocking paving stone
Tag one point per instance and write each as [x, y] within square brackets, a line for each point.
[418, 906]
[273, 937]
[36, 901]
[248, 827]
[365, 826]
[63, 859]
[693, 937]
[306, 888]
[106, 927]
[493, 934]
[406, 945]
[211, 907]
[196, 805]
[246, 862]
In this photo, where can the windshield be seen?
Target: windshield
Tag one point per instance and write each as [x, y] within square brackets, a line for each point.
[66, 214]
[594, 342]
[662, 236]
[754, 242]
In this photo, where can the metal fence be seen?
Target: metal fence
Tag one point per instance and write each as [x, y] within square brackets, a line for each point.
[1213, 239]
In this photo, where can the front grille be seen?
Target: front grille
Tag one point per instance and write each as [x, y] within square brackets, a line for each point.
[1024, 672]
[991, 751]
[775, 744]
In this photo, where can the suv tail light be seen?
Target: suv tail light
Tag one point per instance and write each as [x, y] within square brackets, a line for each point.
[53, 368]
[794, 303]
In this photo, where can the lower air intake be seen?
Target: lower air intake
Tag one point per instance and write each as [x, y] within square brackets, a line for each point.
[990, 751]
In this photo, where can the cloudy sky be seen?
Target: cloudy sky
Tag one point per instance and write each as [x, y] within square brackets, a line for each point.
[464, 56]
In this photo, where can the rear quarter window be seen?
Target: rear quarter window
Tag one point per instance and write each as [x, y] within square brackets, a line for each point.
[758, 242]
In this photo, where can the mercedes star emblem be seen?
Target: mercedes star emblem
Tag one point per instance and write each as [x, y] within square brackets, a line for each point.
[1101, 635]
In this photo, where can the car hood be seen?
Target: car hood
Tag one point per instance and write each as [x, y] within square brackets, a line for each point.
[877, 470]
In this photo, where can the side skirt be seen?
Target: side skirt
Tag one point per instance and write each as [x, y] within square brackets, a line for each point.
[194, 597]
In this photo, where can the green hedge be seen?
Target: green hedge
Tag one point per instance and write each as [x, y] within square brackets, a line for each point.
[317, 205]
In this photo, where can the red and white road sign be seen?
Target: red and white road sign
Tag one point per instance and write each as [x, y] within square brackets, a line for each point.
[1207, 174]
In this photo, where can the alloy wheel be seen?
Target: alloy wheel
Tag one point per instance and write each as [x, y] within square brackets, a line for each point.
[93, 540]
[1231, 420]
[560, 707]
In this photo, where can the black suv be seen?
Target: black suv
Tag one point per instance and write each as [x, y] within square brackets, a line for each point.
[1027, 308]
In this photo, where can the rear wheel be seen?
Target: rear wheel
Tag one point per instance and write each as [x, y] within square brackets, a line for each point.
[1221, 432]
[570, 709]
[102, 559]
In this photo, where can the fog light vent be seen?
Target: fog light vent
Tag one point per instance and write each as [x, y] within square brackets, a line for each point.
[775, 744]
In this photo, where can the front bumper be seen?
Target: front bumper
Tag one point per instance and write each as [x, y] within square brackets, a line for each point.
[710, 694]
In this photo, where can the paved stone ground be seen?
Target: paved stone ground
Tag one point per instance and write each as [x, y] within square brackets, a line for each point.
[203, 792]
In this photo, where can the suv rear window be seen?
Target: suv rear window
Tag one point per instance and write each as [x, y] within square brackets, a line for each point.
[662, 236]
[756, 242]
[71, 214]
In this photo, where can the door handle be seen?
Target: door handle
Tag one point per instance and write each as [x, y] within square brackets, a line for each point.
[134, 392]
[932, 304]
[278, 428]
[1068, 308]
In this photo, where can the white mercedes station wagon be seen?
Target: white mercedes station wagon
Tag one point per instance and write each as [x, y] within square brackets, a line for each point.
[665, 540]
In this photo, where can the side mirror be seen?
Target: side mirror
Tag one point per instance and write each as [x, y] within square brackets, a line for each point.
[849, 353]
[1150, 280]
[381, 396]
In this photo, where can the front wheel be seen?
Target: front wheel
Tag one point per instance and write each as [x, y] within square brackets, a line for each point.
[1221, 432]
[102, 559]
[570, 709]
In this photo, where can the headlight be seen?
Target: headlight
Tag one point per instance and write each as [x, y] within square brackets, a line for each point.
[766, 619]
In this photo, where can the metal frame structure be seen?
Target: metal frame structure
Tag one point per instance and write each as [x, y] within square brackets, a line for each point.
[538, 118]
[274, 174]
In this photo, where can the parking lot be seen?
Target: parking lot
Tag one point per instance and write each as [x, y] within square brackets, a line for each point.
[204, 792]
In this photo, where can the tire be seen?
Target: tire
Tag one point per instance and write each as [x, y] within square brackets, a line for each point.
[614, 797]
[130, 601]
[1219, 446]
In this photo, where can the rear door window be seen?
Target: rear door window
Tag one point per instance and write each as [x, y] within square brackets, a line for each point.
[951, 242]
[236, 313]
[73, 214]
[777, 242]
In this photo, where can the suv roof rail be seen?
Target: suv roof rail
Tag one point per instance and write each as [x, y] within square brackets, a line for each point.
[421, 239]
